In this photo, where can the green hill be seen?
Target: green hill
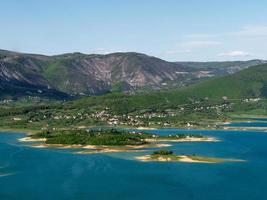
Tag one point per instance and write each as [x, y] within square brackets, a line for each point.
[249, 83]
[201, 105]
[78, 74]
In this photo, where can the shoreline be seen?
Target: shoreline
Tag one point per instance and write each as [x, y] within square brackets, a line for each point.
[88, 147]
[95, 149]
[146, 128]
[219, 126]
[103, 148]
[108, 150]
[30, 139]
[189, 139]
[152, 143]
[184, 158]
[15, 130]
[216, 125]
[244, 128]
[180, 158]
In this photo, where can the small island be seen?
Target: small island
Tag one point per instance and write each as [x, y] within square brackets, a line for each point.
[108, 140]
[169, 156]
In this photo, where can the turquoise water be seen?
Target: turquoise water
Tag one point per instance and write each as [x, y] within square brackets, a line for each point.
[29, 173]
[249, 124]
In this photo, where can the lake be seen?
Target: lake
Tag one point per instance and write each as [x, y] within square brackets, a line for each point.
[256, 124]
[28, 173]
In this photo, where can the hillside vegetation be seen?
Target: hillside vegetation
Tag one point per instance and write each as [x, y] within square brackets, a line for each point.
[200, 105]
[77, 74]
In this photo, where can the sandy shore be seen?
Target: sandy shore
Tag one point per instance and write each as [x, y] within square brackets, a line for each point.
[107, 150]
[92, 149]
[190, 160]
[145, 146]
[30, 139]
[186, 159]
[102, 148]
[189, 139]
[59, 146]
[38, 146]
[145, 128]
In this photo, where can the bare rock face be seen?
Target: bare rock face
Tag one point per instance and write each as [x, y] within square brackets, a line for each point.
[81, 74]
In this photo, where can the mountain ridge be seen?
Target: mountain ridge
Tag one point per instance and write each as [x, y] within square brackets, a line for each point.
[75, 74]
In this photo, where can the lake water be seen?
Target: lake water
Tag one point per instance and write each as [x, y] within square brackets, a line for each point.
[28, 173]
[259, 124]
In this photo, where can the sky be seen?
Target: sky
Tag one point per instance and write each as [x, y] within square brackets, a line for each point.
[174, 30]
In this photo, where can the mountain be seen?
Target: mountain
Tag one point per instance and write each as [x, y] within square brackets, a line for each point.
[250, 83]
[202, 104]
[222, 68]
[81, 74]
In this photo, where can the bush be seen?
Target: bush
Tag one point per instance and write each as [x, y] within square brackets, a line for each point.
[162, 152]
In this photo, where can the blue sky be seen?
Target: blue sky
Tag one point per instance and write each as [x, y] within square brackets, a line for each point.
[175, 30]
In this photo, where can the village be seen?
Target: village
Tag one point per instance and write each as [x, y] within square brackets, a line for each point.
[166, 118]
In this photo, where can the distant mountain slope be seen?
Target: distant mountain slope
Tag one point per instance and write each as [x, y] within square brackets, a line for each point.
[81, 74]
[249, 83]
[223, 68]
[95, 74]
[203, 105]
[21, 75]
[92, 74]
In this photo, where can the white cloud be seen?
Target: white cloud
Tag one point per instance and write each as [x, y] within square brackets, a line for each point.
[200, 44]
[235, 54]
[189, 47]
[240, 41]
